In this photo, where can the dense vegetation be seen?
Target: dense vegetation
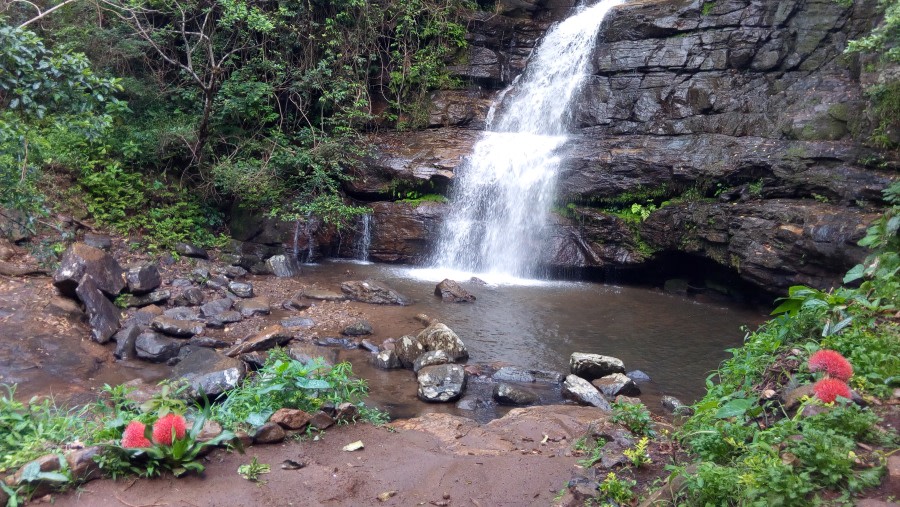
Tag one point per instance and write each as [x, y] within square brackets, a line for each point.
[159, 108]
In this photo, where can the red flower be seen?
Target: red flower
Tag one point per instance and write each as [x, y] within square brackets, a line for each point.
[828, 389]
[134, 435]
[832, 363]
[166, 426]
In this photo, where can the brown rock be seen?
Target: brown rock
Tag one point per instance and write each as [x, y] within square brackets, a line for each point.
[269, 433]
[290, 418]
[264, 340]
[320, 420]
[82, 465]
[81, 259]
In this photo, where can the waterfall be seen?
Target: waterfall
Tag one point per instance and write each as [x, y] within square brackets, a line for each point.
[365, 238]
[504, 190]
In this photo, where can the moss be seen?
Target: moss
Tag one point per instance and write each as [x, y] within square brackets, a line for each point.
[707, 8]
[425, 198]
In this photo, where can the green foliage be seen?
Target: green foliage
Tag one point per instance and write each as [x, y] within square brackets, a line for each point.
[591, 447]
[285, 383]
[883, 39]
[254, 470]
[638, 455]
[633, 416]
[616, 491]
[707, 8]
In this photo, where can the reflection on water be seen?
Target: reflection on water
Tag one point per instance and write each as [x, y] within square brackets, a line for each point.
[676, 340]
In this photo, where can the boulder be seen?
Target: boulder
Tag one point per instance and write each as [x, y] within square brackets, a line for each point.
[581, 391]
[431, 358]
[216, 307]
[176, 327]
[361, 327]
[408, 349]
[616, 384]
[508, 394]
[253, 306]
[125, 339]
[182, 313]
[155, 347]
[441, 383]
[638, 376]
[209, 372]
[387, 360]
[283, 266]
[190, 250]
[451, 291]
[219, 321]
[83, 466]
[320, 420]
[594, 366]
[241, 289]
[440, 337]
[81, 259]
[153, 298]
[674, 405]
[372, 292]
[516, 374]
[142, 278]
[192, 296]
[290, 418]
[269, 433]
[263, 340]
[103, 316]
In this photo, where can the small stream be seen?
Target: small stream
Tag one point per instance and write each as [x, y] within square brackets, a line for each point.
[676, 340]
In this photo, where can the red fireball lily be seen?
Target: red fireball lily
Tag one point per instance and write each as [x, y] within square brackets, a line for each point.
[828, 389]
[133, 437]
[832, 363]
[168, 428]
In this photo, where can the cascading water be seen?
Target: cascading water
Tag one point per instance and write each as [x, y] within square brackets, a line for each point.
[504, 190]
[365, 238]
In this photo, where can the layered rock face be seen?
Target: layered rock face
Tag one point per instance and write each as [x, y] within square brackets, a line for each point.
[742, 120]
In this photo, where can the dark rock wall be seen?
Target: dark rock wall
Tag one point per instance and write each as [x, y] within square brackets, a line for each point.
[744, 116]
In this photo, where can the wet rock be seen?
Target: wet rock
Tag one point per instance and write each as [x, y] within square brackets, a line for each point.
[516, 374]
[440, 337]
[372, 292]
[231, 271]
[153, 298]
[219, 321]
[103, 316]
[408, 349]
[241, 289]
[361, 327]
[81, 259]
[508, 394]
[301, 322]
[431, 358]
[674, 405]
[180, 283]
[191, 296]
[594, 366]
[216, 307]
[254, 306]
[255, 360]
[451, 291]
[307, 353]
[98, 241]
[82, 464]
[333, 341]
[290, 418]
[155, 347]
[190, 250]
[581, 391]
[321, 295]
[263, 340]
[176, 327]
[638, 376]
[387, 360]
[616, 384]
[283, 266]
[269, 433]
[441, 383]
[208, 342]
[295, 304]
[142, 278]
[217, 283]
[320, 421]
[125, 339]
[209, 372]
[371, 347]
[347, 412]
[182, 313]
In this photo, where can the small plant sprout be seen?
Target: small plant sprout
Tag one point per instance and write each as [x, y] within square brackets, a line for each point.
[638, 455]
[253, 470]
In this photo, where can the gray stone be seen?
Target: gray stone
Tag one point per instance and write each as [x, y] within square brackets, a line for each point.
[594, 366]
[125, 339]
[103, 316]
[254, 306]
[440, 337]
[302, 322]
[154, 347]
[334, 341]
[216, 307]
[81, 259]
[263, 340]
[175, 327]
[219, 321]
[370, 291]
[189, 250]
[638, 376]
[153, 298]
[441, 383]
[98, 241]
[208, 342]
[307, 353]
[387, 360]
[361, 327]
[321, 295]
[209, 372]
[408, 349]
[675, 406]
[508, 394]
[192, 296]
[431, 358]
[451, 291]
[581, 391]
[241, 289]
[283, 266]
[142, 278]
[516, 374]
[616, 384]
[371, 347]
[182, 313]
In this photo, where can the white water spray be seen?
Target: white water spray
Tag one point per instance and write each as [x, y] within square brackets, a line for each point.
[504, 190]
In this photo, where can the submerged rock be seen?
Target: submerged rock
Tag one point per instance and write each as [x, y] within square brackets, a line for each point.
[594, 366]
[431, 358]
[441, 383]
[451, 291]
[508, 394]
[254, 306]
[359, 328]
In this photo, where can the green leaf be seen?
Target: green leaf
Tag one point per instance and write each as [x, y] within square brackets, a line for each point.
[734, 408]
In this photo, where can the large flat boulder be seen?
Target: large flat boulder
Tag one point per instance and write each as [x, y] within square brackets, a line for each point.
[81, 259]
